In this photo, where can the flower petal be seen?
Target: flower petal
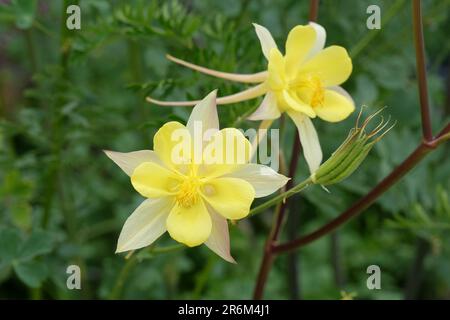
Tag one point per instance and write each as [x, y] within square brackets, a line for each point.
[336, 107]
[219, 239]
[153, 181]
[205, 115]
[230, 197]
[244, 78]
[128, 161]
[332, 65]
[172, 143]
[263, 128]
[146, 224]
[268, 108]
[191, 226]
[342, 91]
[319, 44]
[227, 150]
[263, 179]
[266, 39]
[296, 104]
[276, 70]
[300, 41]
[172, 103]
[309, 139]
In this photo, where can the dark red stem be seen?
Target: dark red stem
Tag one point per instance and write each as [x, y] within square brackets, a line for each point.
[415, 157]
[421, 70]
[268, 257]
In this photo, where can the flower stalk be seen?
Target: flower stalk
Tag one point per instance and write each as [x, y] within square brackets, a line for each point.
[268, 257]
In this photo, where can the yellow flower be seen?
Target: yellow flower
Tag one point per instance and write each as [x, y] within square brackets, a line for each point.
[304, 83]
[191, 197]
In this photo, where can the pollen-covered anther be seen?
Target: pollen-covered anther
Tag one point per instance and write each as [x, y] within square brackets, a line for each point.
[318, 97]
[188, 194]
[314, 88]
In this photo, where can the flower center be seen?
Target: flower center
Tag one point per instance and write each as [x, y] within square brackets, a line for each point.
[311, 89]
[188, 194]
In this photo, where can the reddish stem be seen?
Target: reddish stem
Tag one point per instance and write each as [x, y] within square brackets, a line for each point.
[415, 157]
[296, 149]
[268, 257]
[421, 70]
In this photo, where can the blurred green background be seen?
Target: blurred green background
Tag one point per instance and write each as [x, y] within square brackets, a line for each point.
[66, 95]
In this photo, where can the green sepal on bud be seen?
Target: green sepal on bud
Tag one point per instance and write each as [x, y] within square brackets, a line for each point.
[351, 153]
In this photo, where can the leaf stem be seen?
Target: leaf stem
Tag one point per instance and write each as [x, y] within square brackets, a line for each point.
[123, 275]
[31, 49]
[131, 261]
[281, 197]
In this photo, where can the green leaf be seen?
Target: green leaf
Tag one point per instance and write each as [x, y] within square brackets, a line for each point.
[40, 242]
[25, 12]
[21, 214]
[32, 273]
[10, 243]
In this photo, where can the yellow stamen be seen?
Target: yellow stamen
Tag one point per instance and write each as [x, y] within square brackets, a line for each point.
[316, 90]
[188, 194]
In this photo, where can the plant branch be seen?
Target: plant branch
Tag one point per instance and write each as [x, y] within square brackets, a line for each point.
[292, 168]
[268, 257]
[313, 10]
[421, 70]
[409, 163]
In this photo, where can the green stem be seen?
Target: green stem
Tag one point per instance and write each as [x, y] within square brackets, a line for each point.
[168, 248]
[31, 49]
[39, 26]
[99, 229]
[281, 197]
[123, 275]
[131, 263]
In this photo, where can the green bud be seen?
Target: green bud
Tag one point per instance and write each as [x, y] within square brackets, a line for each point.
[351, 153]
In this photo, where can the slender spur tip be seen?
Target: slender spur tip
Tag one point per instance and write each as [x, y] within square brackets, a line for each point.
[250, 93]
[172, 103]
[237, 77]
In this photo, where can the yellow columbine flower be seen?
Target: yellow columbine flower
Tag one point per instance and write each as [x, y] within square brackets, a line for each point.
[304, 83]
[192, 199]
